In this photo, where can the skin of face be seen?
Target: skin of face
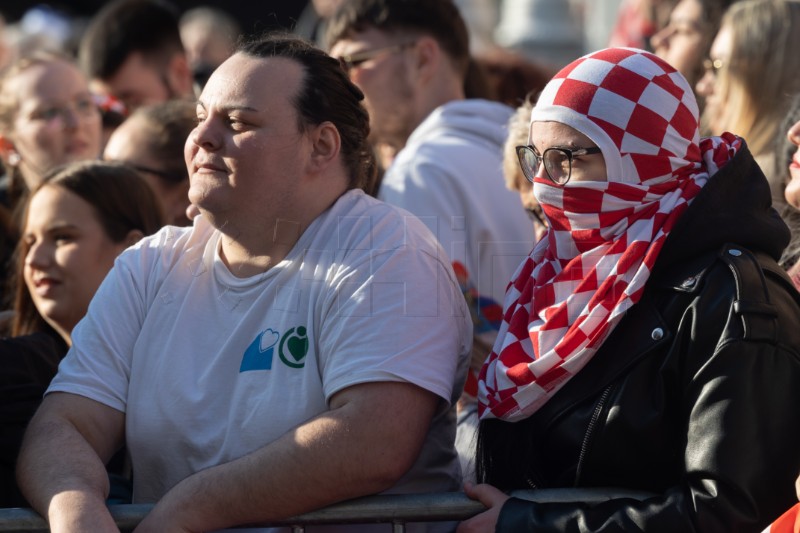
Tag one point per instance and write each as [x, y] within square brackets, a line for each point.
[526, 196]
[386, 81]
[681, 42]
[720, 49]
[544, 135]
[792, 191]
[128, 144]
[137, 83]
[68, 255]
[246, 155]
[57, 121]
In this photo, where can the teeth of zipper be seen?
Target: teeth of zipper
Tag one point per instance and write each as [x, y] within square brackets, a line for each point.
[598, 409]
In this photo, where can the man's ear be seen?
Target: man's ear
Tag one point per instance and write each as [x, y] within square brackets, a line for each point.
[325, 145]
[180, 75]
[132, 237]
[427, 56]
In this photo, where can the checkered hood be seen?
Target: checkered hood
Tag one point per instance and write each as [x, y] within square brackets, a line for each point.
[604, 237]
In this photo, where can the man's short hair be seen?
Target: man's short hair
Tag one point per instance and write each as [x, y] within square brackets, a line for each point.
[326, 94]
[439, 19]
[122, 27]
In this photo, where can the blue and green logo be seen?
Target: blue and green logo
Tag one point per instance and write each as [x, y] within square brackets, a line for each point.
[292, 349]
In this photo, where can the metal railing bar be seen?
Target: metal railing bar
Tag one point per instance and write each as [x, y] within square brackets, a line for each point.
[397, 509]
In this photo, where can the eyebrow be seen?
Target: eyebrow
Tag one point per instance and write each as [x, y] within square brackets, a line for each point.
[229, 108]
[58, 226]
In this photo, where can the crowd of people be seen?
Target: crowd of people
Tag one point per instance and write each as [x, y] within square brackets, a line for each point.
[250, 276]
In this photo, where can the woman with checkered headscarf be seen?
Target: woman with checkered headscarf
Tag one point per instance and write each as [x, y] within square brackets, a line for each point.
[650, 343]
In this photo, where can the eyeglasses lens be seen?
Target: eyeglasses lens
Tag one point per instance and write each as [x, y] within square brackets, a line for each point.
[557, 164]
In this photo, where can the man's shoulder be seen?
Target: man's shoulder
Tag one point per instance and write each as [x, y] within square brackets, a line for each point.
[360, 221]
[168, 247]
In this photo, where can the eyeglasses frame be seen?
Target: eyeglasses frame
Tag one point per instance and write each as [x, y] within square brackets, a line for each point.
[530, 173]
[351, 61]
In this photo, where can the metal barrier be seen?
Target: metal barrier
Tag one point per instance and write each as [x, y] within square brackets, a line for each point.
[396, 509]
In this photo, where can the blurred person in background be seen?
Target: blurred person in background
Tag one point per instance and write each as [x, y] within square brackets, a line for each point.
[411, 58]
[751, 76]
[209, 36]
[787, 163]
[638, 20]
[48, 118]
[132, 50]
[151, 140]
[686, 40]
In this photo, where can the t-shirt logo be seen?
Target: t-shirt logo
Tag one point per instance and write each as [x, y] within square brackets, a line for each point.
[258, 356]
[296, 343]
[292, 349]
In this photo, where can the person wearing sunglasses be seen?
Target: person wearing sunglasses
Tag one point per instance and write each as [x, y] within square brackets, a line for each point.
[650, 344]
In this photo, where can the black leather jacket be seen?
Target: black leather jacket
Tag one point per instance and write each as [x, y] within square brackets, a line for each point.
[695, 397]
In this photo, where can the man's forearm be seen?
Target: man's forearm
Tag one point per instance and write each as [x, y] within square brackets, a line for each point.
[62, 476]
[333, 457]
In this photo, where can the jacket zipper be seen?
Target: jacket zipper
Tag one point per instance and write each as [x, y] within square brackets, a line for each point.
[587, 438]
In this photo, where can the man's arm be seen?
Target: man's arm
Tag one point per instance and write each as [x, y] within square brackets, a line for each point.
[61, 467]
[368, 439]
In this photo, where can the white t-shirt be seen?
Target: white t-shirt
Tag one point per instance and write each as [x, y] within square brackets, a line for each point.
[209, 367]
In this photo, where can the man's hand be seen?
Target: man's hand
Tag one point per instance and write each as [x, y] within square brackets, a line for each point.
[492, 498]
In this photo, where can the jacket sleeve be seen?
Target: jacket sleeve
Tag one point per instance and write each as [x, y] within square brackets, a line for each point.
[741, 401]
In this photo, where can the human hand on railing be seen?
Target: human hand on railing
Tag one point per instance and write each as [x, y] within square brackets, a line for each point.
[491, 497]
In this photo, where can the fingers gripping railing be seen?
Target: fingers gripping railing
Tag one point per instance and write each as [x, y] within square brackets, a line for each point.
[396, 510]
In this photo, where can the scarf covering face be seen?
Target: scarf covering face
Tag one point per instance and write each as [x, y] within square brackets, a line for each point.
[604, 237]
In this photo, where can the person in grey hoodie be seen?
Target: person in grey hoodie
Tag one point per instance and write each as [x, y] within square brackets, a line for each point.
[410, 59]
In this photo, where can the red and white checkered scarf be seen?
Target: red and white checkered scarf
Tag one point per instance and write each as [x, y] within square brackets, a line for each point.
[604, 237]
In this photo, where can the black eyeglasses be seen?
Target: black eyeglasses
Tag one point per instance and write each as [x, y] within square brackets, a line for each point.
[351, 61]
[557, 161]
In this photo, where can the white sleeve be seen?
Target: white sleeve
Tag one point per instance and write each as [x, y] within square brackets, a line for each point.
[98, 364]
[399, 317]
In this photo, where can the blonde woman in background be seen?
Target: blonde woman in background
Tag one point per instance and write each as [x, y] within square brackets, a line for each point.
[752, 72]
[47, 118]
[518, 127]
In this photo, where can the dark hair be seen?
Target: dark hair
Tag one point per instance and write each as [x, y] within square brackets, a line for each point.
[122, 201]
[326, 95]
[439, 19]
[168, 125]
[122, 27]
[508, 76]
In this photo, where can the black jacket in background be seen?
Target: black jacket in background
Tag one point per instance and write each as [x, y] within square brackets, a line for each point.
[27, 365]
[695, 396]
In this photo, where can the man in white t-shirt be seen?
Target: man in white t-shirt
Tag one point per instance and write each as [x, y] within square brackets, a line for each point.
[300, 345]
